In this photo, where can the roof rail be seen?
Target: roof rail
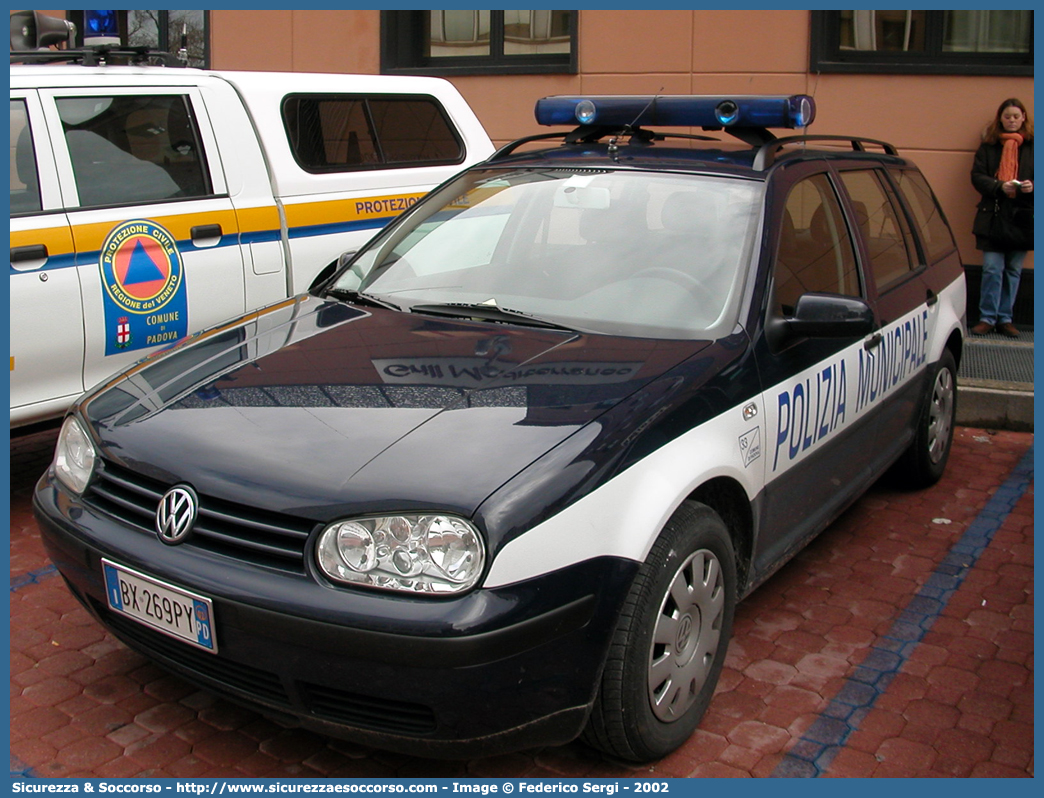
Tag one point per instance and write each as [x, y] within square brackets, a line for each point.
[97, 56]
[766, 155]
[589, 134]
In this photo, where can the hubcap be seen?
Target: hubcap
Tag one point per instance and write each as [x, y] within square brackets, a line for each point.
[940, 418]
[686, 635]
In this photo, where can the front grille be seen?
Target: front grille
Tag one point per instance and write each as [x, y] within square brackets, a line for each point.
[262, 685]
[378, 714]
[232, 530]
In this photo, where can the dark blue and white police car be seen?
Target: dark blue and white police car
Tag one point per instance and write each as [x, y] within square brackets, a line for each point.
[501, 480]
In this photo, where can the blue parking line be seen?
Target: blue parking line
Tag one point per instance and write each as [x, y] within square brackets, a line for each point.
[20, 770]
[812, 755]
[33, 577]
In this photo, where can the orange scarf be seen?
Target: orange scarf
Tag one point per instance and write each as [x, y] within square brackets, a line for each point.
[1009, 163]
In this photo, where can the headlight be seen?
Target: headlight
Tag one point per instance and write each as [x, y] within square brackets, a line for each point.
[414, 553]
[74, 456]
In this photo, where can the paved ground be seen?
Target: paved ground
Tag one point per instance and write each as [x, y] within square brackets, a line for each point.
[900, 643]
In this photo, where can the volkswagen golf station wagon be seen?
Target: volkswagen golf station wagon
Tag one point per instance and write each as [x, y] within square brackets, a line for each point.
[500, 481]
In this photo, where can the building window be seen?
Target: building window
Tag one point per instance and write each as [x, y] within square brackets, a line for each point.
[926, 42]
[160, 30]
[455, 41]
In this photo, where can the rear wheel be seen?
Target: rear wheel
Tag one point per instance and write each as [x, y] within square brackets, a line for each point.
[670, 641]
[924, 462]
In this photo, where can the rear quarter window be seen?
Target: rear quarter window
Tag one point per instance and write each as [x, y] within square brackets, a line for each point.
[936, 236]
[343, 133]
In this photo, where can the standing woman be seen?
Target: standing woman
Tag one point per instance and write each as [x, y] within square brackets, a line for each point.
[1003, 174]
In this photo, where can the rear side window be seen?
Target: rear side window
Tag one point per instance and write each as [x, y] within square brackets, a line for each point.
[882, 225]
[130, 149]
[25, 187]
[343, 133]
[935, 232]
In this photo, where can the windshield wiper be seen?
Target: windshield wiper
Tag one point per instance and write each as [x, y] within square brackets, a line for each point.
[488, 311]
[361, 298]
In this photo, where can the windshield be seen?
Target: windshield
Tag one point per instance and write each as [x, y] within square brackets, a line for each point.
[616, 252]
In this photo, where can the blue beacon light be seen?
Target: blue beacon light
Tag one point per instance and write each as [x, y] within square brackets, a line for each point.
[764, 111]
[100, 28]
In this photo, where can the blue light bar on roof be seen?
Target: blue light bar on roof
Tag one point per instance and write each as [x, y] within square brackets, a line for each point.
[679, 110]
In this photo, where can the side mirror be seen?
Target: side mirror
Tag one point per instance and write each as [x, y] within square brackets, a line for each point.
[329, 271]
[830, 316]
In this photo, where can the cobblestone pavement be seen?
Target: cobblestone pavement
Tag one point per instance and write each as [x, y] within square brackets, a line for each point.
[898, 644]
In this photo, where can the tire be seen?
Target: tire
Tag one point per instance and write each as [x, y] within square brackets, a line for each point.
[924, 462]
[670, 641]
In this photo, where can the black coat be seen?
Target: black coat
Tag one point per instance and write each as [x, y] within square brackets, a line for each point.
[984, 178]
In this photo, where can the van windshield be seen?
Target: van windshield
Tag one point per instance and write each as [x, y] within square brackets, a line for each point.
[630, 253]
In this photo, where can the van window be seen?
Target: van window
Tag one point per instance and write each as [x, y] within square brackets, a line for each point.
[25, 186]
[133, 149]
[341, 133]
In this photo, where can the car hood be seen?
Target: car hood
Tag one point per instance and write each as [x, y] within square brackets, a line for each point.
[319, 408]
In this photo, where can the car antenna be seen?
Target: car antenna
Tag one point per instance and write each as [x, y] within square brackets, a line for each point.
[633, 126]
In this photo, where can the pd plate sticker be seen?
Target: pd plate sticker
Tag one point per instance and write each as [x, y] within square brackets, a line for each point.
[144, 287]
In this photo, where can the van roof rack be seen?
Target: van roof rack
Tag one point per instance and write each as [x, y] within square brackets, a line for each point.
[98, 56]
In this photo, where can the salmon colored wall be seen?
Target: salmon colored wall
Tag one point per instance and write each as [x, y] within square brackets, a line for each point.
[934, 120]
[296, 41]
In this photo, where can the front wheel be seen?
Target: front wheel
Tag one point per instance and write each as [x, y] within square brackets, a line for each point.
[924, 462]
[670, 641]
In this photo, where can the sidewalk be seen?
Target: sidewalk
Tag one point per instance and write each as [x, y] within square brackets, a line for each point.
[995, 382]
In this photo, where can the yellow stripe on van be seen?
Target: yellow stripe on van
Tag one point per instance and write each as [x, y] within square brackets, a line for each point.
[56, 239]
[307, 214]
[90, 237]
[257, 220]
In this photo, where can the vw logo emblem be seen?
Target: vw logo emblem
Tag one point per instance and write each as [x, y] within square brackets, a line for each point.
[176, 514]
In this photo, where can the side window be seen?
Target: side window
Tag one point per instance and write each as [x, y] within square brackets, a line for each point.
[340, 133]
[25, 186]
[935, 232]
[881, 226]
[815, 249]
[133, 149]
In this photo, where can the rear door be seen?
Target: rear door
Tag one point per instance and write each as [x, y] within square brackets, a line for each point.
[893, 381]
[156, 238]
[47, 339]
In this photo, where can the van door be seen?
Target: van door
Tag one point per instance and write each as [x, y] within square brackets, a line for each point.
[46, 313]
[157, 240]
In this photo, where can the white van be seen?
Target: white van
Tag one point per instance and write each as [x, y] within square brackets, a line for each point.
[150, 202]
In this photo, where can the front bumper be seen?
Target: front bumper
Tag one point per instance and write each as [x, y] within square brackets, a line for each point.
[489, 672]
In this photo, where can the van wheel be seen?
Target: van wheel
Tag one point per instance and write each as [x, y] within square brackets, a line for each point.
[924, 462]
[670, 641]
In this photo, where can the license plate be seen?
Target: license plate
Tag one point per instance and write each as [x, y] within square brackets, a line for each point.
[168, 609]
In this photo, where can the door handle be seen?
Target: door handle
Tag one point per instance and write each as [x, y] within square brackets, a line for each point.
[31, 252]
[872, 341]
[933, 297]
[205, 231]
